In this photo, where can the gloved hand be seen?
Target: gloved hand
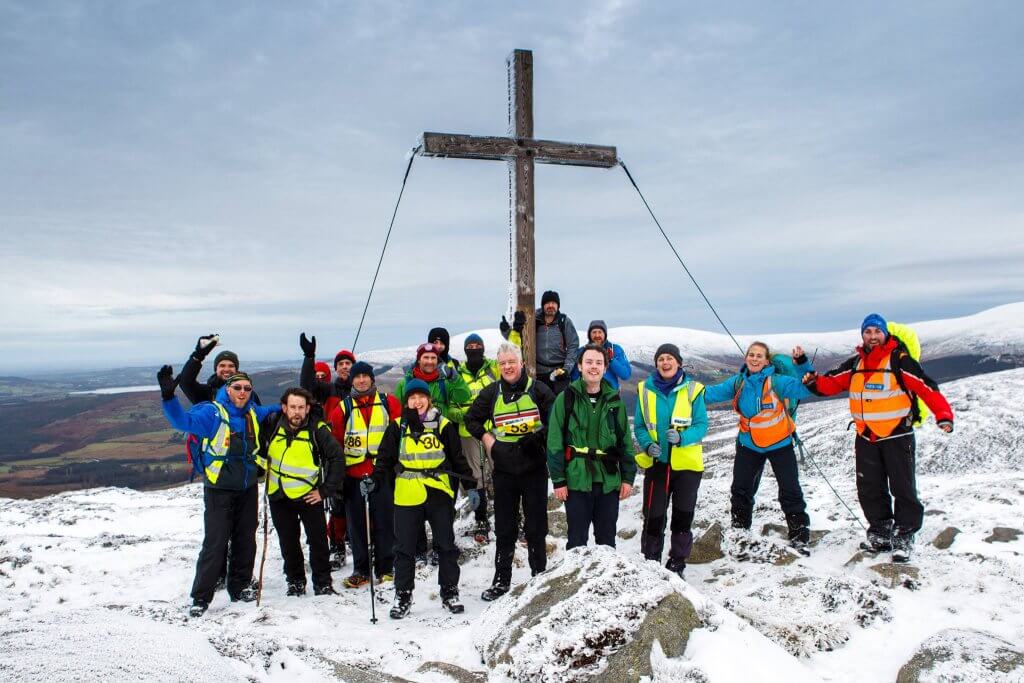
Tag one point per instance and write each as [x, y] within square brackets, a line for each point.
[308, 346]
[165, 377]
[204, 345]
[810, 378]
[367, 486]
[673, 437]
[446, 371]
[504, 327]
[474, 499]
[654, 450]
[519, 321]
[555, 374]
[946, 426]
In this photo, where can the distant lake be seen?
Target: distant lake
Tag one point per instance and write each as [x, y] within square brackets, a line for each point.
[120, 390]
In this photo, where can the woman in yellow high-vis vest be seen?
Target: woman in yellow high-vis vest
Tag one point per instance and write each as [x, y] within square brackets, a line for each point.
[423, 453]
[670, 423]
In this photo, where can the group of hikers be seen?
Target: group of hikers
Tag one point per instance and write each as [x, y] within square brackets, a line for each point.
[384, 466]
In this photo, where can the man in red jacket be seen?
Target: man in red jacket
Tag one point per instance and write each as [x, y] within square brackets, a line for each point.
[883, 381]
[358, 423]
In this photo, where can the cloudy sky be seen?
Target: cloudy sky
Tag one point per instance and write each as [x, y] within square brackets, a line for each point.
[170, 169]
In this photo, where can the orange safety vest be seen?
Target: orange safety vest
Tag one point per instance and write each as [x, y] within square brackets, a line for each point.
[876, 399]
[772, 423]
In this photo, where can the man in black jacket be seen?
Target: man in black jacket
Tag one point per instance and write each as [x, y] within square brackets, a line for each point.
[305, 464]
[517, 447]
[225, 364]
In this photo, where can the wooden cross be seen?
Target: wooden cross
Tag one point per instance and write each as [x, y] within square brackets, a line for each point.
[521, 151]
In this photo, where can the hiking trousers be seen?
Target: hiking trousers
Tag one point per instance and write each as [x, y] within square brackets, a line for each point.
[228, 517]
[661, 485]
[746, 478]
[530, 489]
[439, 512]
[480, 465]
[884, 467]
[382, 523]
[336, 523]
[596, 507]
[288, 514]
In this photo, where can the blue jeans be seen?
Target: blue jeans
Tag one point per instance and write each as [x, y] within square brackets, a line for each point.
[595, 507]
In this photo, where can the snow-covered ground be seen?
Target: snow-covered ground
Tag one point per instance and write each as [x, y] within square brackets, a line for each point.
[115, 565]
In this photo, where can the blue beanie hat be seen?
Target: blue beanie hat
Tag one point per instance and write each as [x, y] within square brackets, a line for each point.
[414, 386]
[473, 339]
[875, 320]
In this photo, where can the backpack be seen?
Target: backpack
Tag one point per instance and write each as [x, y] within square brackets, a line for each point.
[911, 345]
[785, 366]
[560, 320]
[568, 404]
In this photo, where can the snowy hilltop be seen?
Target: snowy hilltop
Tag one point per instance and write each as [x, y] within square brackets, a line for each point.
[94, 585]
[995, 332]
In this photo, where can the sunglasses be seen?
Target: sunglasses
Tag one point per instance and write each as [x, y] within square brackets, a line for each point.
[242, 387]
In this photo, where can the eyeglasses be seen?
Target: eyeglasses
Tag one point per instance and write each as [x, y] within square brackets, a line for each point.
[242, 387]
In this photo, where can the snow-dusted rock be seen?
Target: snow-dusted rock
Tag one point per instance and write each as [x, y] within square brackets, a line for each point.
[708, 547]
[945, 538]
[105, 645]
[957, 654]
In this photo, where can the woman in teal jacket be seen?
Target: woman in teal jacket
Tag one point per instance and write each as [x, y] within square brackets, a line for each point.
[762, 398]
[669, 424]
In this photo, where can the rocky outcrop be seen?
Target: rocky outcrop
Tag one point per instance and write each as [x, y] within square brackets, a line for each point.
[1003, 534]
[708, 547]
[964, 655]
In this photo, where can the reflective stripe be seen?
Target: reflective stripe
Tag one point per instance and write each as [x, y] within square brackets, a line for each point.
[512, 421]
[216, 449]
[292, 465]
[362, 440]
[772, 424]
[690, 457]
[416, 456]
[877, 402]
[875, 395]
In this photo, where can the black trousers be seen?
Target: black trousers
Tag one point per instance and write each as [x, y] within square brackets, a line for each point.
[556, 387]
[530, 489]
[228, 517]
[287, 514]
[584, 508]
[662, 484]
[439, 512]
[885, 466]
[746, 477]
[382, 521]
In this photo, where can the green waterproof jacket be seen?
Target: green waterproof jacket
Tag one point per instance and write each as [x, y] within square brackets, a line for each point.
[445, 394]
[601, 426]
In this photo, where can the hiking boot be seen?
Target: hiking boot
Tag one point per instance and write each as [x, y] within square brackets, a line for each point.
[198, 608]
[221, 584]
[482, 531]
[877, 543]
[296, 588]
[901, 545]
[401, 605]
[522, 537]
[450, 599]
[386, 577]
[421, 560]
[337, 556]
[801, 547]
[676, 566]
[494, 592]
[435, 558]
[326, 589]
[247, 594]
[356, 580]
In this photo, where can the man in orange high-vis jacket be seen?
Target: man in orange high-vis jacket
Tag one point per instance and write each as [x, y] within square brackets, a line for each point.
[882, 380]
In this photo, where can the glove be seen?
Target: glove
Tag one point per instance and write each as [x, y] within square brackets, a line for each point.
[367, 486]
[474, 499]
[308, 346]
[673, 437]
[504, 327]
[810, 378]
[165, 377]
[204, 345]
[945, 425]
[519, 321]
[654, 450]
[447, 371]
[555, 374]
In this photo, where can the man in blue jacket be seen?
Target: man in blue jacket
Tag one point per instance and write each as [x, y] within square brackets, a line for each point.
[229, 430]
[619, 368]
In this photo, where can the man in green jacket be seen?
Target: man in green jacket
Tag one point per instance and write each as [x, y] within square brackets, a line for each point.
[590, 452]
[445, 391]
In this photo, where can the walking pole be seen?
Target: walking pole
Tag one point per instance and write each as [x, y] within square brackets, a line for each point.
[266, 534]
[369, 546]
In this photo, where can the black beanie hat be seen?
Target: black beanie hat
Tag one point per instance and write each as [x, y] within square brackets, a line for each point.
[439, 333]
[670, 349]
[362, 368]
[597, 325]
[226, 355]
[550, 295]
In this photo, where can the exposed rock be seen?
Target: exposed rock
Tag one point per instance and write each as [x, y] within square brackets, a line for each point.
[963, 655]
[595, 617]
[708, 547]
[1003, 534]
[945, 538]
[558, 524]
[626, 534]
[859, 556]
[456, 673]
[783, 531]
[930, 513]
[898, 574]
